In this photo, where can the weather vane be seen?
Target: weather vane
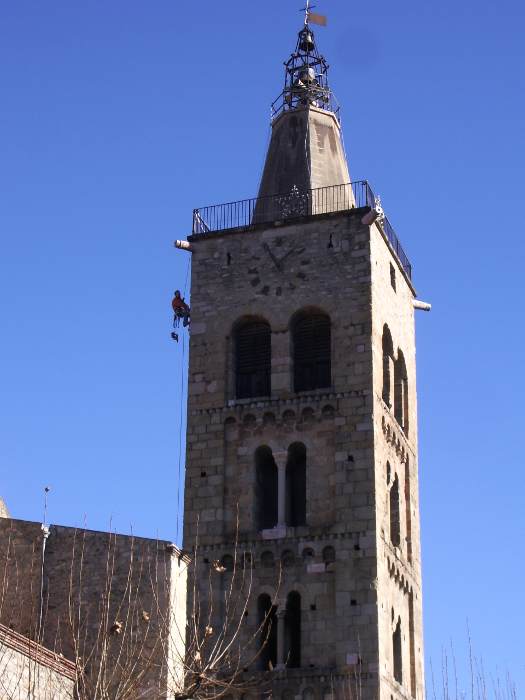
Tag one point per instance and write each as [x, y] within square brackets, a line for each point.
[313, 17]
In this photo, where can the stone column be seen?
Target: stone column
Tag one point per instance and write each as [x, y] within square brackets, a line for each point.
[280, 460]
[391, 378]
[280, 639]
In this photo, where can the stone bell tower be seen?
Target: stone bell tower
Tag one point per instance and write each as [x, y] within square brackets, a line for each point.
[302, 417]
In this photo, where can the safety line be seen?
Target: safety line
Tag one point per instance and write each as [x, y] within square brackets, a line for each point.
[180, 487]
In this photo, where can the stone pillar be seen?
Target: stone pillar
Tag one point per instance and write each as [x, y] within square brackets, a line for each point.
[280, 639]
[280, 460]
[391, 375]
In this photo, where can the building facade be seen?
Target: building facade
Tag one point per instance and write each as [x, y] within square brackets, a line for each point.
[29, 671]
[111, 605]
[302, 417]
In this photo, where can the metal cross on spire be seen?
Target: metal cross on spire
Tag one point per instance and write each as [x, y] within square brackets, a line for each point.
[312, 17]
[306, 11]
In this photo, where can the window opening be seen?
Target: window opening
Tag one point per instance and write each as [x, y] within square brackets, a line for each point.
[397, 653]
[252, 359]
[311, 350]
[395, 525]
[393, 277]
[292, 630]
[328, 555]
[388, 365]
[401, 392]
[408, 513]
[266, 485]
[267, 617]
[411, 632]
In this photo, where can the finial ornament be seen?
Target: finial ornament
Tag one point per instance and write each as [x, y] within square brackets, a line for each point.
[379, 209]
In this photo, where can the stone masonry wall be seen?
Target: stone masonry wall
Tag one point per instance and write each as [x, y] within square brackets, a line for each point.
[98, 596]
[325, 265]
[399, 567]
[349, 605]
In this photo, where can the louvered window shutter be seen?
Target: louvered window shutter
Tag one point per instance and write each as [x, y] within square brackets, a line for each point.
[253, 354]
[312, 353]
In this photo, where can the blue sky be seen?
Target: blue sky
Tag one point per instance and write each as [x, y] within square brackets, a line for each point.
[119, 117]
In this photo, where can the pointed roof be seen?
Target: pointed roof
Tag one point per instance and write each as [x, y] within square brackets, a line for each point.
[306, 150]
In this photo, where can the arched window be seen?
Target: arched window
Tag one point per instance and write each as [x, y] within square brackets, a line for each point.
[296, 485]
[267, 620]
[292, 630]
[397, 652]
[266, 485]
[311, 351]
[252, 341]
[408, 511]
[388, 365]
[395, 525]
[329, 555]
[401, 392]
[411, 632]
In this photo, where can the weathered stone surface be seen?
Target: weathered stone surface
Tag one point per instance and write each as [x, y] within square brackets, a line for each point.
[305, 151]
[349, 607]
[83, 593]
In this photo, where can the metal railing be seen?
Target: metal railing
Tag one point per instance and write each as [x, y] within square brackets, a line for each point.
[296, 204]
[286, 102]
[396, 245]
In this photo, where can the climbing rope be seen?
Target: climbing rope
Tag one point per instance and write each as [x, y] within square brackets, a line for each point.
[180, 489]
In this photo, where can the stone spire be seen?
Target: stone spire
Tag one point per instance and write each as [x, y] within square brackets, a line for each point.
[306, 150]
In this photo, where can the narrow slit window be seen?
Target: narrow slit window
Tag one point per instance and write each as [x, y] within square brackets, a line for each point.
[292, 630]
[401, 392]
[395, 524]
[397, 652]
[388, 365]
[393, 277]
[266, 488]
[268, 632]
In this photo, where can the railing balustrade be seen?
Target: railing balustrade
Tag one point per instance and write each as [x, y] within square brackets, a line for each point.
[295, 204]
